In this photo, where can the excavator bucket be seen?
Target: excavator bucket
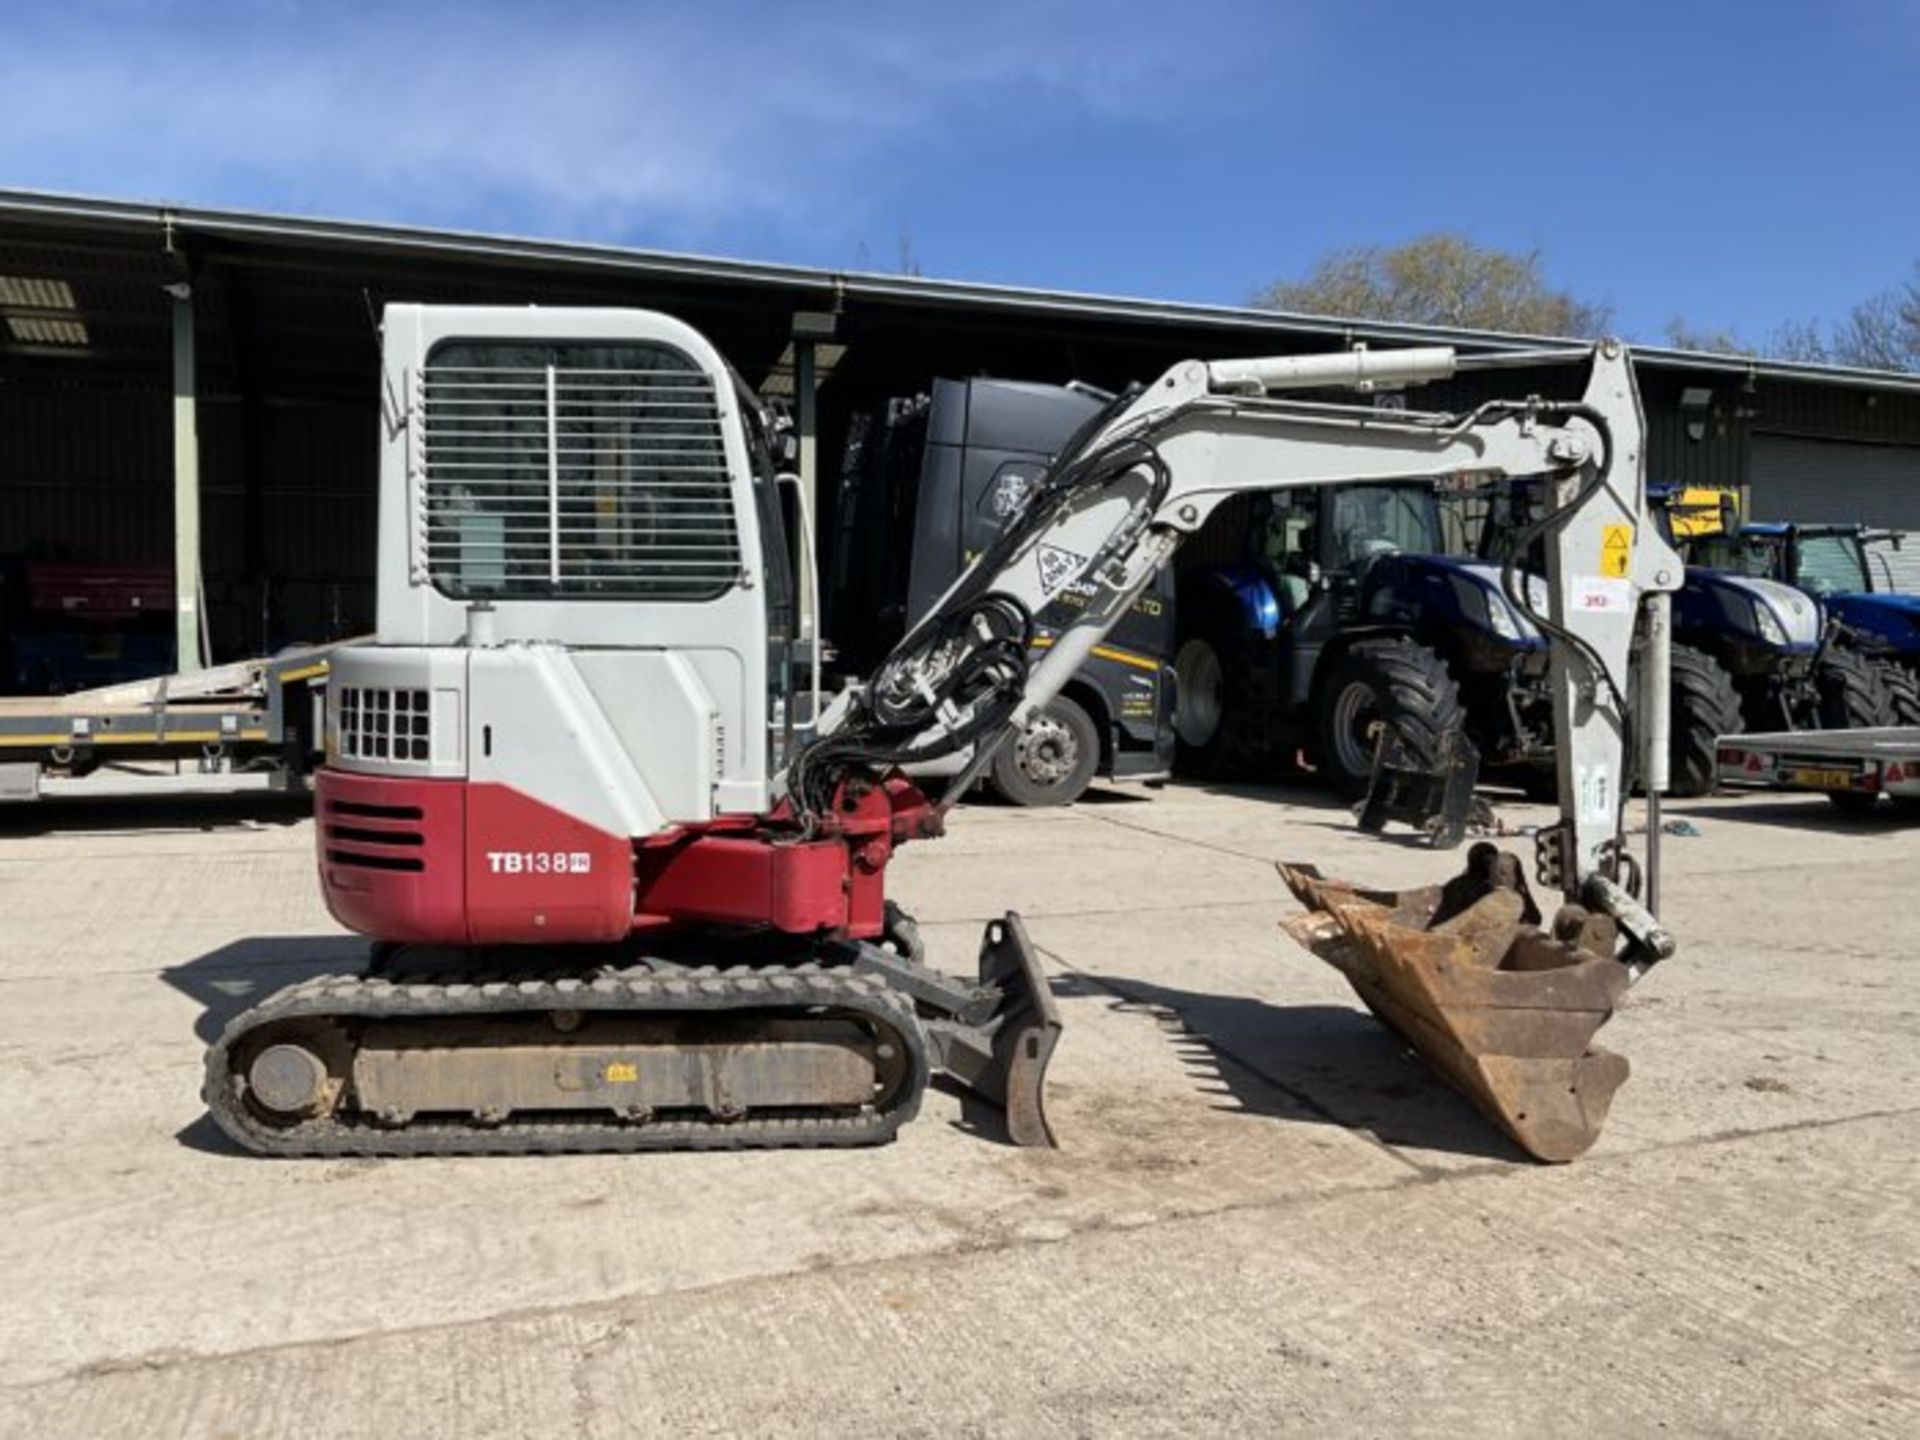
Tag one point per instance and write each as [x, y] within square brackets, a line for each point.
[1504, 1010]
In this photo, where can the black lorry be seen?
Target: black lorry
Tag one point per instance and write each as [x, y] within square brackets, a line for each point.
[925, 483]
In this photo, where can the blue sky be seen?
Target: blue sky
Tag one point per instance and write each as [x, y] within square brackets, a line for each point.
[1741, 164]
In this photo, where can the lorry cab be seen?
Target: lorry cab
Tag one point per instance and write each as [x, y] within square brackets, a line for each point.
[926, 484]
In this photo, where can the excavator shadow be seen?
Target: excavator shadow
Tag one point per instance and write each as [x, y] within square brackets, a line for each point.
[226, 981]
[1297, 791]
[1304, 1064]
[979, 1119]
[154, 814]
[1309, 803]
[1406, 839]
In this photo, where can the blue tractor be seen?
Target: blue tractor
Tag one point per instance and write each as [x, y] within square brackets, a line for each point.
[1763, 653]
[1751, 652]
[1829, 564]
[1333, 612]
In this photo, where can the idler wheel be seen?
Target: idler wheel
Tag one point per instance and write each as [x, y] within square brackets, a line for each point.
[291, 1081]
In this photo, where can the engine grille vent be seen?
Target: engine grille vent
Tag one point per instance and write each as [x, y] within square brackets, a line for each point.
[375, 837]
[391, 725]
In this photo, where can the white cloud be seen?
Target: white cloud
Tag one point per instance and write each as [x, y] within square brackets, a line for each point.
[664, 120]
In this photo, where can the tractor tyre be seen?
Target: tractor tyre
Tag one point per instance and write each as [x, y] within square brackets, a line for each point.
[1397, 681]
[1052, 761]
[1903, 689]
[1704, 706]
[1853, 696]
[1214, 712]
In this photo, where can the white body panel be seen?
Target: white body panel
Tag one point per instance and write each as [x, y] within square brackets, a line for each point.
[665, 719]
[551, 740]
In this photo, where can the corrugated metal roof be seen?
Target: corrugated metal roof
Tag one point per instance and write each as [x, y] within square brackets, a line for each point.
[821, 288]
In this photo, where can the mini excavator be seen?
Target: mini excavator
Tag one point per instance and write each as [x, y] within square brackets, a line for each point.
[626, 880]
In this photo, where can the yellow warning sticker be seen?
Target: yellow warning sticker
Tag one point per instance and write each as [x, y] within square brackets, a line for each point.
[1616, 550]
[622, 1072]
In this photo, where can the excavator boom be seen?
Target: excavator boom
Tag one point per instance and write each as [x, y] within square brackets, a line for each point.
[1502, 1008]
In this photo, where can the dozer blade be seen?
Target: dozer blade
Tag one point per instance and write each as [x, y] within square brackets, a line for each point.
[1504, 1011]
[1003, 1057]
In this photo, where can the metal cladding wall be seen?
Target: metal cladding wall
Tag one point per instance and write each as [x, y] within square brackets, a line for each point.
[1819, 479]
[287, 379]
[1737, 411]
[86, 473]
[87, 476]
[1815, 453]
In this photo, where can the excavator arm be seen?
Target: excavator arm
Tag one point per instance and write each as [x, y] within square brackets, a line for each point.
[1145, 477]
[1115, 508]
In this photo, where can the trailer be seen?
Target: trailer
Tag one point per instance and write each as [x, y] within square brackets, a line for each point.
[253, 723]
[1853, 768]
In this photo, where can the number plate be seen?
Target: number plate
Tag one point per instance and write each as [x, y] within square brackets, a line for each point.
[1821, 779]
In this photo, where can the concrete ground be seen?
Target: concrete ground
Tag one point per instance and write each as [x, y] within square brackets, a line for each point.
[1264, 1215]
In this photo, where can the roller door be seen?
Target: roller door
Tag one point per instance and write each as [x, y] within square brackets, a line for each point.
[1793, 478]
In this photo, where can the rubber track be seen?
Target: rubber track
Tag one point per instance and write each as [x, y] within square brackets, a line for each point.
[353, 997]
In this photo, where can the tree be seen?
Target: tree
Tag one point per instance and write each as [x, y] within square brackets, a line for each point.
[1439, 279]
[1684, 335]
[1800, 340]
[1882, 332]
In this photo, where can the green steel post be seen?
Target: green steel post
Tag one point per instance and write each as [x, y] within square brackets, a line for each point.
[186, 486]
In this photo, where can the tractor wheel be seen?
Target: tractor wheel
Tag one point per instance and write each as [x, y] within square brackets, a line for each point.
[1852, 694]
[1704, 706]
[1052, 761]
[1903, 689]
[1399, 682]
[1214, 711]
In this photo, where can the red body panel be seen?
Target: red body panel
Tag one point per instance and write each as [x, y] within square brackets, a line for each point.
[799, 887]
[536, 873]
[390, 855]
[455, 863]
[99, 592]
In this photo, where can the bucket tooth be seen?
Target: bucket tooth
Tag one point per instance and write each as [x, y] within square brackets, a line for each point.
[1504, 1011]
[1316, 892]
